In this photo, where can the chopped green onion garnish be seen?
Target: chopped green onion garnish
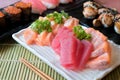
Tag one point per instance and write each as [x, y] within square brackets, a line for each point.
[80, 33]
[58, 17]
[41, 25]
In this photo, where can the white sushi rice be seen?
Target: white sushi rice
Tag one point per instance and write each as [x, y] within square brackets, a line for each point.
[49, 5]
[65, 1]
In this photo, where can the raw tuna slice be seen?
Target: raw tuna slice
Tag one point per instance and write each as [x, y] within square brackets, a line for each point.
[88, 48]
[79, 52]
[68, 52]
[56, 41]
[74, 54]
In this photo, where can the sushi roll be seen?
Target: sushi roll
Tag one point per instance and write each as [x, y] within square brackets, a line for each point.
[13, 14]
[2, 20]
[103, 10]
[117, 23]
[107, 10]
[50, 4]
[26, 10]
[90, 12]
[92, 4]
[37, 6]
[97, 23]
[65, 1]
[90, 9]
[106, 19]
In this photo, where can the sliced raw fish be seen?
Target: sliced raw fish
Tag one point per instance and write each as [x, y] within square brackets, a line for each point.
[88, 48]
[37, 6]
[44, 38]
[29, 36]
[101, 55]
[56, 41]
[68, 52]
[50, 4]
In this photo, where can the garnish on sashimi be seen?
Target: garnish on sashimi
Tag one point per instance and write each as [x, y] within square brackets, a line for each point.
[48, 26]
[80, 33]
[73, 53]
[41, 25]
[77, 47]
[58, 17]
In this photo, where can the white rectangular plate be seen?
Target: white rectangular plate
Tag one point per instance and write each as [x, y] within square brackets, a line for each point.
[48, 56]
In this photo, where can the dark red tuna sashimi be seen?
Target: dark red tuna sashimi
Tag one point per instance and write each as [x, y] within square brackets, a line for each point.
[74, 54]
[79, 52]
[88, 48]
[60, 35]
[68, 52]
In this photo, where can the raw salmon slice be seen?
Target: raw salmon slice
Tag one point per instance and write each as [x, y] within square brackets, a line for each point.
[101, 55]
[44, 38]
[29, 35]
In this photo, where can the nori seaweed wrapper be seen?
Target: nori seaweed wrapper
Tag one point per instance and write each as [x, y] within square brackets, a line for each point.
[2, 20]
[26, 10]
[13, 15]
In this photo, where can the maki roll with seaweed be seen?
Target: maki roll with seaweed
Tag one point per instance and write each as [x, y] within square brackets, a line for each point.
[13, 14]
[117, 23]
[2, 23]
[26, 10]
[2, 20]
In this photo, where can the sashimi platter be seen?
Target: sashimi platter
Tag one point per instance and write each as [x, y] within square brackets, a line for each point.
[76, 52]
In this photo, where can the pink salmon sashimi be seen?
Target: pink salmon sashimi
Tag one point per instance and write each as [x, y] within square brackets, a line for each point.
[44, 38]
[101, 55]
[71, 22]
[29, 36]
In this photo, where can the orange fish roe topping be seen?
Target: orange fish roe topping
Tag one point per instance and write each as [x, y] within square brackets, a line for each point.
[12, 10]
[1, 14]
[22, 5]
